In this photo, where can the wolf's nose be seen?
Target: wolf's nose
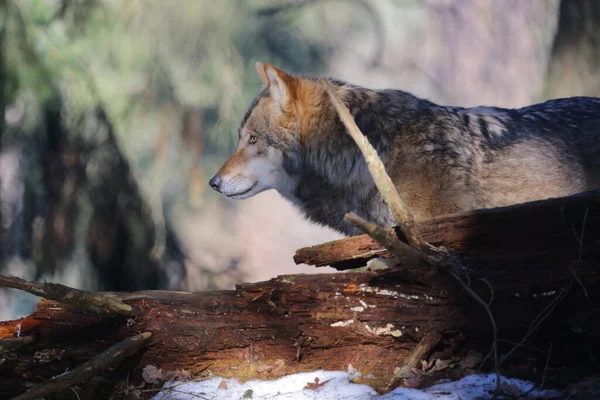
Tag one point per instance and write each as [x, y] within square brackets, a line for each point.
[215, 182]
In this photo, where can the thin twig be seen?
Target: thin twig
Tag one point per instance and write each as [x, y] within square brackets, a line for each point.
[95, 302]
[491, 300]
[384, 183]
[579, 258]
[110, 357]
[487, 309]
[76, 394]
[546, 367]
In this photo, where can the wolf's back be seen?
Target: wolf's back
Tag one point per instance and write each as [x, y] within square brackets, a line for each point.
[572, 123]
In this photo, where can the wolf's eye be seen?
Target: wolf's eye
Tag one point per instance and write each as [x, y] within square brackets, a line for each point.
[252, 139]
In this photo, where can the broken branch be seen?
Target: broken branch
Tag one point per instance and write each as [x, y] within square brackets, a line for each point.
[384, 183]
[112, 356]
[423, 348]
[95, 302]
[406, 254]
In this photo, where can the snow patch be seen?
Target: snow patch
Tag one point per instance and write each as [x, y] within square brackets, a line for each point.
[473, 387]
[337, 385]
[334, 385]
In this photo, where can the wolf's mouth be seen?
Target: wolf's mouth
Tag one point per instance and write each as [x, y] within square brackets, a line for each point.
[235, 195]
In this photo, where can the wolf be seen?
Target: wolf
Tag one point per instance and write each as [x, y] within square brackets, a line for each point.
[442, 159]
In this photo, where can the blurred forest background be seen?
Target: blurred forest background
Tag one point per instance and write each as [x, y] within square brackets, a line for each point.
[117, 112]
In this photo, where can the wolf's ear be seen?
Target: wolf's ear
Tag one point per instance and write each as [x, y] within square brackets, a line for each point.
[260, 68]
[279, 84]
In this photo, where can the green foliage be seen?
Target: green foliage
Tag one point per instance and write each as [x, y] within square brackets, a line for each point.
[148, 59]
[148, 62]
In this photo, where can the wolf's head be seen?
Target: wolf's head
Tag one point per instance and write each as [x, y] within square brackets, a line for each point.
[267, 153]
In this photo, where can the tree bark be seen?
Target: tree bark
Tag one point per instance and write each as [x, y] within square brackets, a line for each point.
[574, 65]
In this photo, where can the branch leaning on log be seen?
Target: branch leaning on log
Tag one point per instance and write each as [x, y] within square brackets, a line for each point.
[406, 254]
[95, 302]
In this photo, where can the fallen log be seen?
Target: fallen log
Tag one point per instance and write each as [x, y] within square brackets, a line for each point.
[261, 330]
[374, 322]
[537, 236]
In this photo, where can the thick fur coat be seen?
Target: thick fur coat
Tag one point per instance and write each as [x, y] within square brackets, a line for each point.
[442, 159]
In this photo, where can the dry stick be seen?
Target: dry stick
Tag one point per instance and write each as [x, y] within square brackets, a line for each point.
[406, 254]
[384, 184]
[546, 367]
[423, 348]
[95, 302]
[112, 356]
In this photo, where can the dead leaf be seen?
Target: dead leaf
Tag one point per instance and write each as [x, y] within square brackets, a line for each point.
[316, 384]
[440, 365]
[151, 374]
[223, 385]
[426, 365]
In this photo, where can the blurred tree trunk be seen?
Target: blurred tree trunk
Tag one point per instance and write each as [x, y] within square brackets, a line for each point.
[3, 12]
[62, 179]
[121, 234]
[574, 65]
[124, 240]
